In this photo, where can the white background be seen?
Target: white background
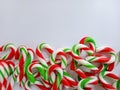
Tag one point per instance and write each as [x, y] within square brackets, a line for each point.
[60, 23]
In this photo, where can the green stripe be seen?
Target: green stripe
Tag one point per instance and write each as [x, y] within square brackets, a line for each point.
[51, 80]
[44, 66]
[118, 85]
[46, 75]
[73, 48]
[78, 52]
[31, 77]
[51, 57]
[27, 63]
[104, 70]
[17, 71]
[11, 70]
[66, 74]
[66, 49]
[7, 45]
[83, 82]
[23, 50]
[89, 53]
[89, 39]
[41, 46]
[63, 60]
[59, 78]
[4, 57]
[91, 59]
[90, 65]
[2, 74]
[14, 78]
[102, 73]
[79, 78]
[119, 56]
[6, 71]
[75, 63]
[41, 70]
[23, 83]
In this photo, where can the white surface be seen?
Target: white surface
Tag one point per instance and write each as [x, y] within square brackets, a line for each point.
[60, 23]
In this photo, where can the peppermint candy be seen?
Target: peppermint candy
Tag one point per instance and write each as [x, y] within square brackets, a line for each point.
[79, 67]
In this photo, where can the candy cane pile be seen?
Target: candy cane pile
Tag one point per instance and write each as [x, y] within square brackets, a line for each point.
[80, 67]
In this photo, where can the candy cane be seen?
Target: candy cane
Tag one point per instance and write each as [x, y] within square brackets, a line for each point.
[39, 49]
[107, 50]
[54, 71]
[7, 69]
[18, 74]
[7, 56]
[61, 54]
[104, 73]
[90, 42]
[73, 65]
[117, 84]
[28, 61]
[11, 54]
[59, 76]
[22, 51]
[118, 59]
[84, 83]
[68, 81]
[81, 60]
[39, 67]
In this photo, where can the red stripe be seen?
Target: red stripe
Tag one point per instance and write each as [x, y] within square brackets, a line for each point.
[111, 66]
[5, 82]
[108, 86]
[61, 53]
[46, 82]
[95, 82]
[39, 53]
[41, 87]
[81, 74]
[88, 88]
[85, 48]
[99, 69]
[49, 50]
[91, 47]
[52, 68]
[88, 74]
[72, 83]
[21, 63]
[31, 65]
[54, 87]
[72, 66]
[11, 54]
[0, 86]
[17, 54]
[75, 57]
[65, 82]
[82, 41]
[113, 76]
[9, 87]
[102, 60]
[1, 48]
[106, 49]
